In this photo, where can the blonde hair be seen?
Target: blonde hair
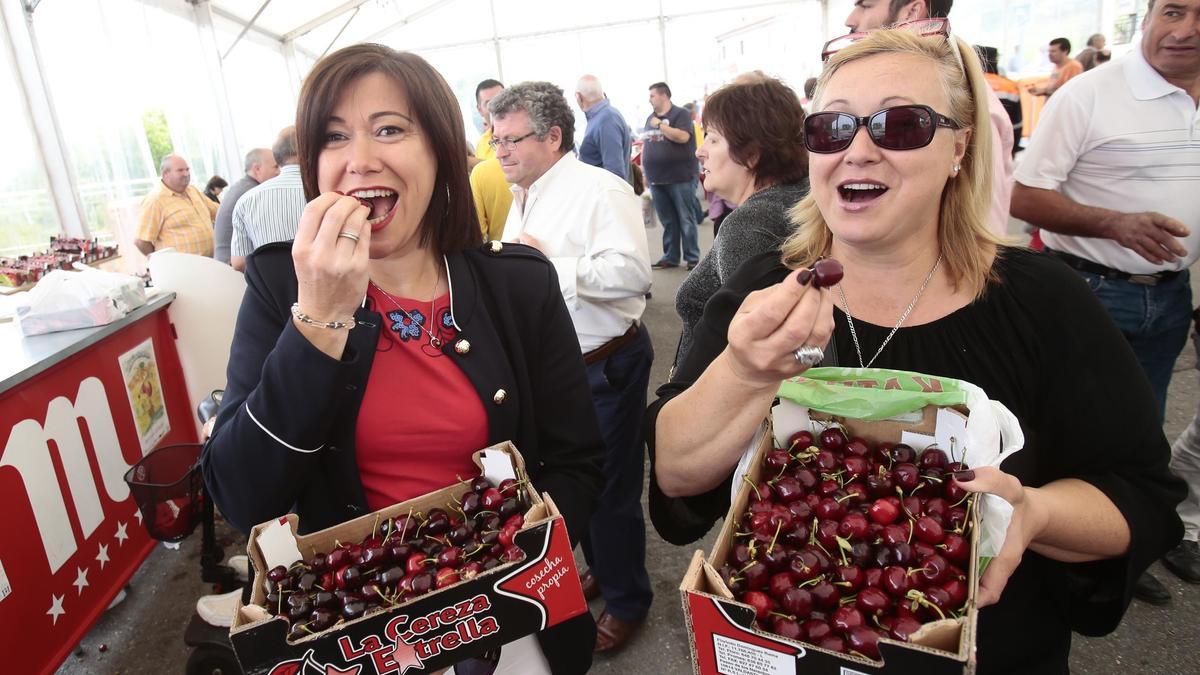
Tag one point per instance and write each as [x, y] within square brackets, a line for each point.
[967, 245]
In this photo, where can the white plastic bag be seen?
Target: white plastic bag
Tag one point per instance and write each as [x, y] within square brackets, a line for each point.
[86, 297]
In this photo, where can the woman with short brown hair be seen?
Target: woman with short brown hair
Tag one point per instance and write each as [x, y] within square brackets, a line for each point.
[753, 157]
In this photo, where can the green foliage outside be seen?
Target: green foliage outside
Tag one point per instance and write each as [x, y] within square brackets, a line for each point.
[158, 135]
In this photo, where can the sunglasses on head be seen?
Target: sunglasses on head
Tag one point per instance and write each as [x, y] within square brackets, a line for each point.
[902, 127]
[922, 27]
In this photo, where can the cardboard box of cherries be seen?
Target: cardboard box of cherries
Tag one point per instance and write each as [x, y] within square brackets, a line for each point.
[412, 588]
[849, 547]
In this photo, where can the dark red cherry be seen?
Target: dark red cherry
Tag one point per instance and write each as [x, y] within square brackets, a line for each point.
[932, 458]
[826, 272]
[833, 438]
[863, 640]
[762, 604]
[801, 440]
[797, 602]
[903, 454]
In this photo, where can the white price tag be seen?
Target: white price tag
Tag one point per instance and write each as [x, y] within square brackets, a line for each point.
[497, 466]
[951, 432]
[917, 441]
[278, 545]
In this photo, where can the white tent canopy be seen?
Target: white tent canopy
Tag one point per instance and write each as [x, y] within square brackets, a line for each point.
[96, 89]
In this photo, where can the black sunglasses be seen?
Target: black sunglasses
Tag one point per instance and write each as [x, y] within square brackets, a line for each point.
[903, 127]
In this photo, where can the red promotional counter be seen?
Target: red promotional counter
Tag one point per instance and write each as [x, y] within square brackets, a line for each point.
[77, 409]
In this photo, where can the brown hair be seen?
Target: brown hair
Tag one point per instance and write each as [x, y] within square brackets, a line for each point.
[969, 247]
[763, 121]
[450, 222]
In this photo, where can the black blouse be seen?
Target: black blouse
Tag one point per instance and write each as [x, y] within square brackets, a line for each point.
[1040, 343]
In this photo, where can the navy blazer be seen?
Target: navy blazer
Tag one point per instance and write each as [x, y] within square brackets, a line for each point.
[284, 436]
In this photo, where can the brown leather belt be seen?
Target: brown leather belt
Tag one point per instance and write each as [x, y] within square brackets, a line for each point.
[609, 348]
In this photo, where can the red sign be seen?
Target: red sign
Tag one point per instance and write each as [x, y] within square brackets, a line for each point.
[72, 534]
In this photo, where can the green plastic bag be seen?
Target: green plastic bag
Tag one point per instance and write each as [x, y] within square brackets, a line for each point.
[871, 394]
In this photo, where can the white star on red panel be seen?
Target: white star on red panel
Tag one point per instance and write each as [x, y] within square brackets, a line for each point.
[138, 515]
[56, 607]
[80, 579]
[102, 556]
[121, 534]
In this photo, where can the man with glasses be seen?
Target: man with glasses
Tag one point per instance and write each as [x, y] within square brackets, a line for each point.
[588, 222]
[869, 15]
[1111, 178]
[669, 162]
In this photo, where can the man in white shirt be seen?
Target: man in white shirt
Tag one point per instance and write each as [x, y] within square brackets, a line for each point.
[271, 211]
[1112, 179]
[588, 222]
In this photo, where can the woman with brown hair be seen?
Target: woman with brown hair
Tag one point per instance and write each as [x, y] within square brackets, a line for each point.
[753, 157]
[900, 183]
[375, 353]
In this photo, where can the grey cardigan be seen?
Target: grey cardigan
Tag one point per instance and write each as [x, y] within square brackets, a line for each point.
[760, 224]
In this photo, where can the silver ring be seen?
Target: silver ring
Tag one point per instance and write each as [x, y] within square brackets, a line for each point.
[809, 356]
[349, 235]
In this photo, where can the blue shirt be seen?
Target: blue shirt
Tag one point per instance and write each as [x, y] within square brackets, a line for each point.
[606, 142]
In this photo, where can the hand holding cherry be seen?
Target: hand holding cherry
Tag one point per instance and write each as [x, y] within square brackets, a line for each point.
[771, 323]
[330, 252]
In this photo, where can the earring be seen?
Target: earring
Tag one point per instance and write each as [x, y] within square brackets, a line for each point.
[957, 167]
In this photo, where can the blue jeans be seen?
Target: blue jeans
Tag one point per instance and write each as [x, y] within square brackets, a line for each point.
[1154, 319]
[615, 546]
[679, 211]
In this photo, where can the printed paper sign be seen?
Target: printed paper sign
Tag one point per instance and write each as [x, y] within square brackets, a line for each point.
[139, 369]
[5, 587]
[742, 658]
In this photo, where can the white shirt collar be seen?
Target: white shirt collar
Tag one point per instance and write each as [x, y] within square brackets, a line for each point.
[1145, 83]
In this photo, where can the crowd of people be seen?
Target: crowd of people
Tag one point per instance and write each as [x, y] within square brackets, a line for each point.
[411, 298]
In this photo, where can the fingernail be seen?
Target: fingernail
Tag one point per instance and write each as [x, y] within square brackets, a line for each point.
[964, 476]
[804, 277]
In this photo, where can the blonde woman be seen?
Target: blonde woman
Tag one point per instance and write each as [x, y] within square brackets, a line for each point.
[900, 187]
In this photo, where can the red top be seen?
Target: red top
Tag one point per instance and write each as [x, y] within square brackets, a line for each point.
[420, 419]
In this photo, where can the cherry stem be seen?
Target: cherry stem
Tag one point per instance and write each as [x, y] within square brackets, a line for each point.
[843, 546]
[752, 486]
[406, 522]
[771, 546]
[375, 527]
[919, 598]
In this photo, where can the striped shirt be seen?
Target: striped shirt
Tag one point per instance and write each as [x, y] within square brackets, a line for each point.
[1123, 138]
[183, 222]
[269, 212]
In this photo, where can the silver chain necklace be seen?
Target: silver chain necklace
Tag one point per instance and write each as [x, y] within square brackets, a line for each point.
[908, 310]
[434, 341]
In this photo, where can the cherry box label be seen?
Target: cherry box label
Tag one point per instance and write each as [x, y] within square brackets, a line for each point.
[742, 658]
[5, 587]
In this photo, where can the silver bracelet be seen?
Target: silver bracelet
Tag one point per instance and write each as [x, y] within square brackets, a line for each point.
[304, 318]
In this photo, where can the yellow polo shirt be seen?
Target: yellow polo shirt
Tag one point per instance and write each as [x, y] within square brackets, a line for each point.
[180, 221]
[482, 149]
[492, 197]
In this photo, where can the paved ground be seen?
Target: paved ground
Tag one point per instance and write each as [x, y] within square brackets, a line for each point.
[145, 633]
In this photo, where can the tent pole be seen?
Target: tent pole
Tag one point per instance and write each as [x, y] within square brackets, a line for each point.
[16, 21]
